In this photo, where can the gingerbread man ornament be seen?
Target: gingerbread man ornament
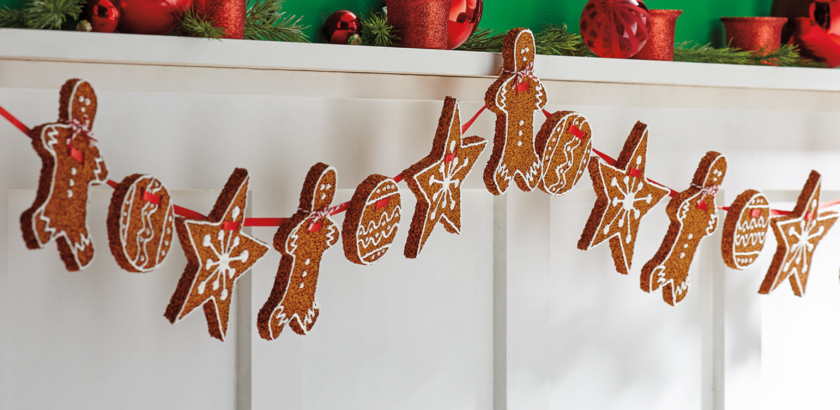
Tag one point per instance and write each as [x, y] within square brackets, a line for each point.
[71, 164]
[302, 241]
[515, 97]
[693, 217]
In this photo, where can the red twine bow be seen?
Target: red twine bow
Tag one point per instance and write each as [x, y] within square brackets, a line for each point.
[706, 191]
[528, 71]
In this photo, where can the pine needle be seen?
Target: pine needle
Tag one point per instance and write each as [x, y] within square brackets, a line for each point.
[377, 32]
[195, 26]
[52, 14]
[265, 21]
[11, 18]
[784, 56]
[552, 40]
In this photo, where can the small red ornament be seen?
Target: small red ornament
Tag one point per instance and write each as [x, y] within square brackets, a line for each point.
[615, 28]
[103, 16]
[421, 23]
[151, 16]
[340, 26]
[464, 17]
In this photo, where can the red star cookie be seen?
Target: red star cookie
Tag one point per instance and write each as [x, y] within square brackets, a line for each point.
[514, 98]
[71, 164]
[693, 217]
[218, 253]
[624, 197]
[302, 240]
[798, 235]
[436, 180]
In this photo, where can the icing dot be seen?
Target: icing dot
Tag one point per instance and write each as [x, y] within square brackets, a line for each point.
[307, 261]
[72, 171]
[81, 98]
[682, 255]
[224, 294]
[71, 182]
[301, 286]
[83, 109]
[304, 274]
[685, 246]
[69, 193]
[521, 123]
[87, 101]
[691, 235]
[519, 143]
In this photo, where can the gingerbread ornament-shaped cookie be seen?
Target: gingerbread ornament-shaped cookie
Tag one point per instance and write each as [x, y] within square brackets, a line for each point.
[624, 197]
[218, 254]
[140, 223]
[372, 220]
[797, 237]
[437, 179]
[564, 145]
[71, 164]
[694, 216]
[745, 229]
[302, 241]
[514, 98]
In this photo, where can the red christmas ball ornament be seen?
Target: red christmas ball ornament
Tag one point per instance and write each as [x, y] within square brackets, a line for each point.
[615, 28]
[151, 16]
[340, 26]
[102, 15]
[464, 17]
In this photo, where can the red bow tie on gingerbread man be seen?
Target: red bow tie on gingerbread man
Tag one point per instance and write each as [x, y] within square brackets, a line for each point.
[71, 163]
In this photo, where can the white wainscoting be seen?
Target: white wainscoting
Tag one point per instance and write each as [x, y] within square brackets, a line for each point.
[508, 315]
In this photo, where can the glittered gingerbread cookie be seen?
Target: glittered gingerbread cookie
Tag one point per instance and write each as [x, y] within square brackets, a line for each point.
[564, 145]
[372, 219]
[302, 241]
[218, 254]
[140, 223]
[745, 229]
[797, 237]
[71, 164]
[694, 216]
[514, 97]
[624, 197]
[436, 180]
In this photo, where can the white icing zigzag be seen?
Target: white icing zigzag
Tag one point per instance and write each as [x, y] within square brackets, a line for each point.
[366, 237]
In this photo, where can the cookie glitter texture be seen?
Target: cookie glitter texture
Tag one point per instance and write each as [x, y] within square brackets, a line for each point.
[372, 219]
[745, 229]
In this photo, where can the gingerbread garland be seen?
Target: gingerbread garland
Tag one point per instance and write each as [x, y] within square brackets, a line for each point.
[140, 223]
[797, 237]
[745, 229]
[564, 145]
[218, 254]
[694, 216]
[515, 96]
[302, 241]
[372, 219]
[71, 163]
[624, 197]
[437, 179]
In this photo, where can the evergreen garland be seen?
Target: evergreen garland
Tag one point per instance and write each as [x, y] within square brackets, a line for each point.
[265, 21]
[553, 40]
[43, 14]
[377, 32]
[785, 56]
[195, 26]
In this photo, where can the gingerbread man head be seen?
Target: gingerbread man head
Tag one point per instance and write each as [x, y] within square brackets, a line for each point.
[713, 175]
[318, 189]
[521, 55]
[77, 102]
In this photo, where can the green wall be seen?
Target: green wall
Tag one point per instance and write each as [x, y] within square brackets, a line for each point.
[699, 20]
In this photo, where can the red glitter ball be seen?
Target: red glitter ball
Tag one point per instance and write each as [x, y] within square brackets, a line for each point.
[339, 26]
[151, 16]
[615, 28]
[227, 14]
[464, 17]
[421, 23]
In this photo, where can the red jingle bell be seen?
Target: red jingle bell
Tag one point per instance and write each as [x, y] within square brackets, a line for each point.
[340, 26]
[464, 17]
[102, 15]
[151, 16]
[615, 28]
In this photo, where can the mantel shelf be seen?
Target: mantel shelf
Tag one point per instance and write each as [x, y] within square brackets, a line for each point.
[68, 46]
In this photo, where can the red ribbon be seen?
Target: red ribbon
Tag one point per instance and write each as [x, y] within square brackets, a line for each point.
[528, 71]
[383, 202]
[111, 184]
[188, 213]
[230, 226]
[151, 198]
[469, 123]
[576, 132]
[76, 154]
[11, 118]
[264, 221]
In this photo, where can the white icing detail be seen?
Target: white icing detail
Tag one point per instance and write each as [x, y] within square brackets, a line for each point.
[71, 182]
[69, 193]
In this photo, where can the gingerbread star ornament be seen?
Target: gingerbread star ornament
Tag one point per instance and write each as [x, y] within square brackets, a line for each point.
[302, 240]
[71, 164]
[624, 197]
[797, 237]
[437, 179]
[218, 254]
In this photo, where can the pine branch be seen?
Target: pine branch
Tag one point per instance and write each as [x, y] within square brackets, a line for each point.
[784, 56]
[11, 18]
[194, 25]
[553, 40]
[484, 40]
[265, 21]
[377, 32]
[52, 14]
